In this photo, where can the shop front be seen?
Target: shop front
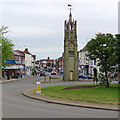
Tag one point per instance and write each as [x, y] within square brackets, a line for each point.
[13, 71]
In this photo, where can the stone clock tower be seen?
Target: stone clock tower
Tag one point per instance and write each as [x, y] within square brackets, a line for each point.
[70, 61]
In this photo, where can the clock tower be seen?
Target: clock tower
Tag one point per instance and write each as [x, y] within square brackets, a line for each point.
[70, 61]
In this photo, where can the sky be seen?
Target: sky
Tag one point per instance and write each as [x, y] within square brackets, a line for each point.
[39, 24]
[119, 17]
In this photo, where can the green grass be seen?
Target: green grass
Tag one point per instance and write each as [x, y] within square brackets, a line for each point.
[55, 78]
[97, 94]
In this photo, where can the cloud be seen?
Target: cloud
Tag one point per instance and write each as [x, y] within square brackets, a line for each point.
[61, 1]
[46, 52]
[119, 18]
[39, 25]
[31, 30]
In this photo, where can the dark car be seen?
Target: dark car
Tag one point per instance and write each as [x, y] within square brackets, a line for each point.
[42, 73]
[84, 76]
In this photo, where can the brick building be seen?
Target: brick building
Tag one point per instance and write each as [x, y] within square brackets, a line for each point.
[22, 61]
[47, 64]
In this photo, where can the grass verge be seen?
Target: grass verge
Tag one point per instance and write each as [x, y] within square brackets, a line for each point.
[99, 94]
[54, 78]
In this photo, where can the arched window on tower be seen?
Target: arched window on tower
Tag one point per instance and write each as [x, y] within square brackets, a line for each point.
[71, 26]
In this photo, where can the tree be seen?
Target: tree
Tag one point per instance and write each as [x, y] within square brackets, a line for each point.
[117, 50]
[117, 53]
[6, 46]
[102, 50]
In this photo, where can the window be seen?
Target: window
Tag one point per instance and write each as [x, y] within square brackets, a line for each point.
[17, 61]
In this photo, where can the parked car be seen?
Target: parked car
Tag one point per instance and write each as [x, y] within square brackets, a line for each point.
[62, 72]
[42, 73]
[53, 73]
[84, 76]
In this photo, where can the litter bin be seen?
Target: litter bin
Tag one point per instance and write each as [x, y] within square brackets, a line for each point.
[38, 87]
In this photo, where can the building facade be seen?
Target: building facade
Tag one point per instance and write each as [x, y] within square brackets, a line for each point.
[47, 64]
[16, 65]
[85, 65]
[22, 61]
[59, 65]
[70, 61]
[29, 62]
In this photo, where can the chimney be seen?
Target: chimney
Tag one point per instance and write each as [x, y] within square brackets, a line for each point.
[26, 50]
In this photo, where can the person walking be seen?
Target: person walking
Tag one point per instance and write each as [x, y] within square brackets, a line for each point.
[21, 74]
[8, 77]
[17, 75]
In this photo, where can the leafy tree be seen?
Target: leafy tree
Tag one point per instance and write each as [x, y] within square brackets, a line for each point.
[117, 50]
[101, 49]
[117, 53]
[6, 46]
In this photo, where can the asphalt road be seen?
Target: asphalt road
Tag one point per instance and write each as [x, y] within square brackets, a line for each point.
[15, 105]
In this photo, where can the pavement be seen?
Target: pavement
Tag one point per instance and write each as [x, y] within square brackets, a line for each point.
[32, 94]
[12, 80]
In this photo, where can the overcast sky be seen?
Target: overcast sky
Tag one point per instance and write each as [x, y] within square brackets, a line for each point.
[39, 24]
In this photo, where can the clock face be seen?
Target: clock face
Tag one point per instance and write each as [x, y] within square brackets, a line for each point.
[71, 46]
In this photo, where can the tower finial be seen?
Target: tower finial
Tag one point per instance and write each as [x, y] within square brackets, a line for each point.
[70, 7]
[70, 15]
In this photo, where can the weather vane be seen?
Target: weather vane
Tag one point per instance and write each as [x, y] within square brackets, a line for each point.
[70, 6]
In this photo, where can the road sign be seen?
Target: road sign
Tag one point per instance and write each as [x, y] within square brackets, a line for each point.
[9, 61]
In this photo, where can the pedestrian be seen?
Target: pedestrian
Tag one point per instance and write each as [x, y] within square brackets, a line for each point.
[21, 74]
[33, 73]
[28, 73]
[8, 77]
[17, 75]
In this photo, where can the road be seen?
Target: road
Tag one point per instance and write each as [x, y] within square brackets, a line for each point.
[15, 105]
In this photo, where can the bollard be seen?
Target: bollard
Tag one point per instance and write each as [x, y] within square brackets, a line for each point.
[48, 78]
[38, 87]
[45, 78]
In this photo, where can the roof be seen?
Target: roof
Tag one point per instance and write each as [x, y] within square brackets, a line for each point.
[22, 53]
[42, 60]
[84, 49]
[16, 52]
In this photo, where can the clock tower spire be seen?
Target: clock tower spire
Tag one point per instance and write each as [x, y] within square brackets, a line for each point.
[70, 61]
[70, 16]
